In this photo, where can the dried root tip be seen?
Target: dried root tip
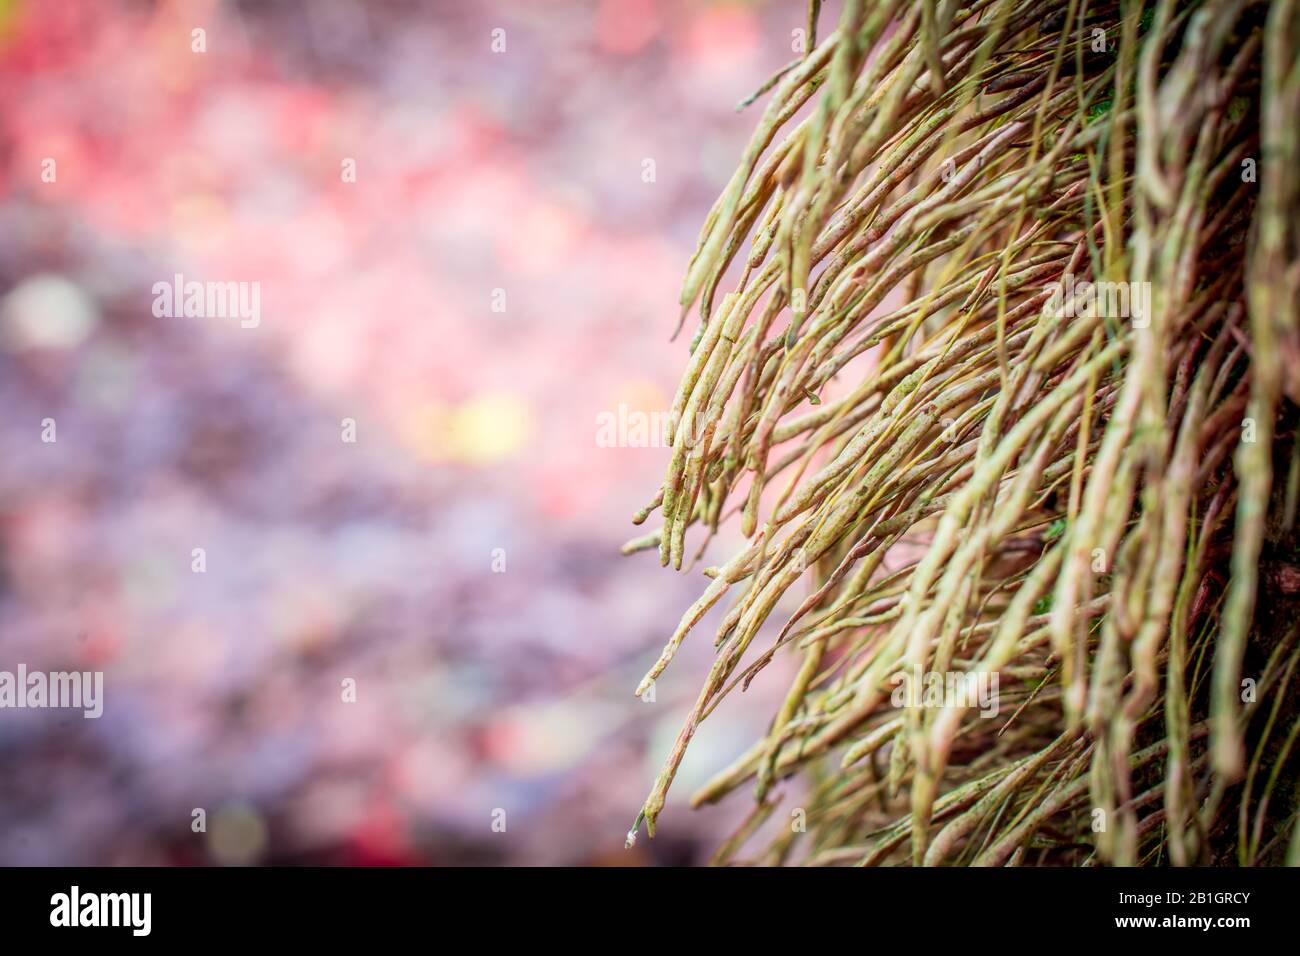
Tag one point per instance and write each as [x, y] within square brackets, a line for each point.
[632, 833]
[643, 543]
[640, 516]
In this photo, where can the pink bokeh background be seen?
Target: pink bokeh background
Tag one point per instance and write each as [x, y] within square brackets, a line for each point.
[476, 171]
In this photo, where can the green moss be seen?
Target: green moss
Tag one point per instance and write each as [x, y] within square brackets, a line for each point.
[1099, 109]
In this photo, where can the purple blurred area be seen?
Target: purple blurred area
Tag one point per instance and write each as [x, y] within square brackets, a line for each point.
[481, 178]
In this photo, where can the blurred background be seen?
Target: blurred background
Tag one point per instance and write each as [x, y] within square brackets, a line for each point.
[529, 182]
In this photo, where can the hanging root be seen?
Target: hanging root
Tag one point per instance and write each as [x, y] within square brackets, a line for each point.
[1002, 392]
